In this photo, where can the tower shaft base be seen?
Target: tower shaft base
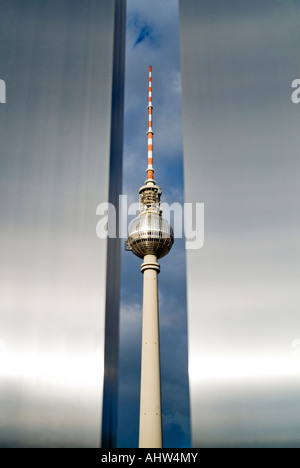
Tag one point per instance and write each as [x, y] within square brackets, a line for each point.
[150, 435]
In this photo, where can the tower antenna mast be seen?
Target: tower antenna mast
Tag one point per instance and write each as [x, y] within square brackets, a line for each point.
[150, 170]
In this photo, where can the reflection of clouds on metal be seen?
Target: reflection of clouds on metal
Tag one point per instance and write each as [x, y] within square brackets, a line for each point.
[56, 159]
[210, 369]
[8, 34]
[296, 347]
[74, 371]
[243, 285]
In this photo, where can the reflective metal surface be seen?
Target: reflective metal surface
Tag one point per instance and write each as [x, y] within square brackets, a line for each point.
[150, 234]
[56, 58]
[241, 159]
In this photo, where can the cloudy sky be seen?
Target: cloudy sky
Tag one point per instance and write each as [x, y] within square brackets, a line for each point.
[241, 150]
[153, 39]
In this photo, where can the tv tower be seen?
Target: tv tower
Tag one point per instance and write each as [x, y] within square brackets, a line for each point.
[150, 237]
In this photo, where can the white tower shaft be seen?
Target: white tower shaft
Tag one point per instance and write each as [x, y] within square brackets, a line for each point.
[150, 435]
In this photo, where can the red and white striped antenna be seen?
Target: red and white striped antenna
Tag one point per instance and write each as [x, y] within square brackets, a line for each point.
[150, 170]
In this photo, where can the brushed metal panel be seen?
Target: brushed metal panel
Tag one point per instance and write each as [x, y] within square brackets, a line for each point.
[241, 159]
[57, 63]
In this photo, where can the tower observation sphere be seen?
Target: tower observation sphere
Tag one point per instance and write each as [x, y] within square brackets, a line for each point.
[149, 232]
